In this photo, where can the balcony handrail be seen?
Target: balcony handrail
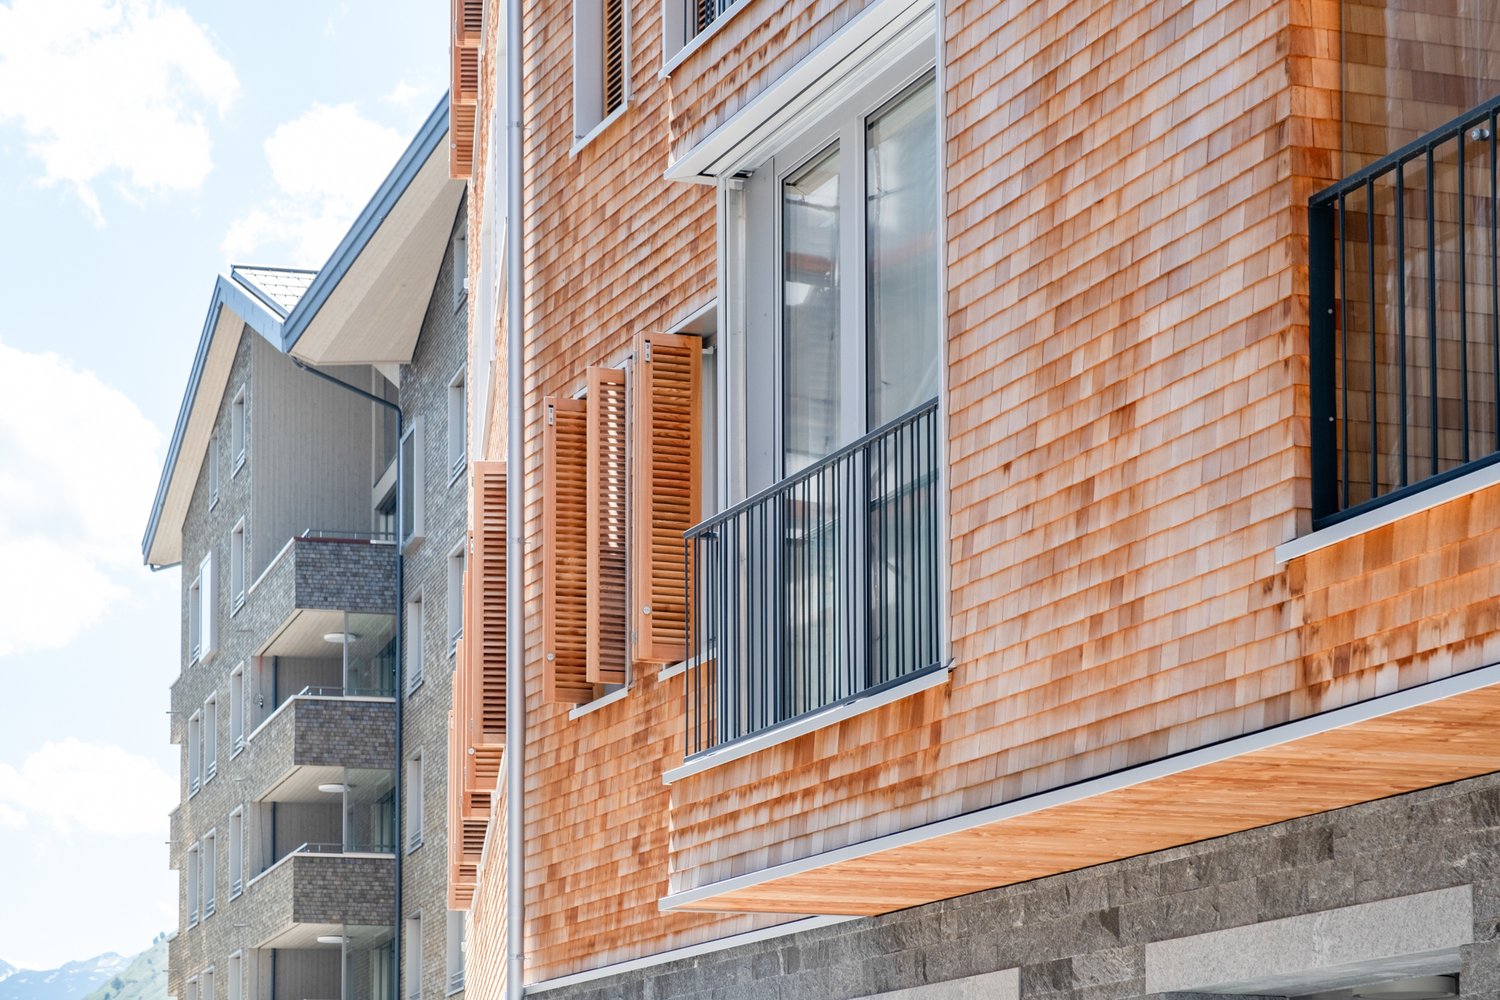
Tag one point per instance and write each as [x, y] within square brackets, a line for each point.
[350, 537]
[818, 591]
[1417, 147]
[786, 484]
[311, 693]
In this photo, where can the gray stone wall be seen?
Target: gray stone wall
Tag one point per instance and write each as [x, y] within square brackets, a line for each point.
[441, 351]
[1311, 894]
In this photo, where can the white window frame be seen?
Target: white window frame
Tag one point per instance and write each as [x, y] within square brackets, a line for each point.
[458, 429]
[236, 860]
[192, 989]
[676, 44]
[755, 245]
[208, 633]
[235, 980]
[415, 792]
[414, 643]
[236, 710]
[412, 465]
[457, 560]
[210, 730]
[457, 945]
[589, 118]
[238, 571]
[239, 431]
[195, 753]
[206, 979]
[195, 620]
[460, 269]
[194, 869]
[209, 857]
[413, 977]
[213, 472]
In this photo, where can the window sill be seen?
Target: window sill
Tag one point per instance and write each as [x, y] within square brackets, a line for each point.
[413, 686]
[588, 137]
[213, 501]
[788, 731]
[1390, 513]
[236, 605]
[413, 845]
[459, 465]
[579, 711]
[239, 463]
[701, 39]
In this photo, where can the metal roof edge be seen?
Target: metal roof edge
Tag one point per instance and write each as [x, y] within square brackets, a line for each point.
[365, 227]
[227, 292]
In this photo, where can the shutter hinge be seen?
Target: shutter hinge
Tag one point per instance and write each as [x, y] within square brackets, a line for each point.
[550, 411]
[648, 352]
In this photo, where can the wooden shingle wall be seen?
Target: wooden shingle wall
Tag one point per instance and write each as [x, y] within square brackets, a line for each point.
[1127, 406]
[1126, 191]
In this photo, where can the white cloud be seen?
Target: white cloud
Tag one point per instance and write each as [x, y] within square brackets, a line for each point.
[112, 88]
[91, 788]
[326, 164]
[78, 466]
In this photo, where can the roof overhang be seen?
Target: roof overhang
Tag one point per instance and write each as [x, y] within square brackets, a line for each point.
[230, 310]
[364, 307]
[367, 303]
[1416, 738]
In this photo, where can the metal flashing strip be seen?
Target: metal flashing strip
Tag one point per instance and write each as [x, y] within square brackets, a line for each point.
[816, 78]
[1415, 503]
[687, 951]
[1337, 718]
[618, 694]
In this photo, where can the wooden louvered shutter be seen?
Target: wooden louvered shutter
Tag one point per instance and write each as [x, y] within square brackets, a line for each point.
[614, 55]
[667, 489]
[565, 569]
[608, 639]
[484, 625]
[467, 18]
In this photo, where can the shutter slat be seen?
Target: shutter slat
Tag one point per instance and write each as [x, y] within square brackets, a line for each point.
[565, 563]
[608, 645]
[667, 497]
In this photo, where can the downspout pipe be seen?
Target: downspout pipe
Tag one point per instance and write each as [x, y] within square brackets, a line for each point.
[400, 846]
[515, 551]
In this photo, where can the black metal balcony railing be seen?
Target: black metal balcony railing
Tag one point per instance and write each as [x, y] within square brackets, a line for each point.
[818, 590]
[1405, 320]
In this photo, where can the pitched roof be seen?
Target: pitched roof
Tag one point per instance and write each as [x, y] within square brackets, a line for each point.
[280, 288]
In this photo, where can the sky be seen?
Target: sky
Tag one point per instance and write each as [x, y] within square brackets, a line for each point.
[144, 146]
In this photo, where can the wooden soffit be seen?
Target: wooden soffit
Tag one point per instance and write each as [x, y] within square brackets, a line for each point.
[1424, 736]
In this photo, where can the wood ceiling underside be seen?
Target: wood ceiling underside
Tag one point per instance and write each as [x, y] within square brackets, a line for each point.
[1432, 744]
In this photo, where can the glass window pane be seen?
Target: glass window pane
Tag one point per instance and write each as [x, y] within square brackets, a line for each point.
[810, 303]
[901, 233]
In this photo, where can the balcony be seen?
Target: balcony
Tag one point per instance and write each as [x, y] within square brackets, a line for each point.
[319, 892]
[313, 737]
[1405, 321]
[818, 591]
[322, 584]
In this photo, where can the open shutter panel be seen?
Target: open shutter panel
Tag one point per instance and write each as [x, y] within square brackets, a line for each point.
[668, 490]
[565, 563]
[608, 645]
[467, 18]
[484, 623]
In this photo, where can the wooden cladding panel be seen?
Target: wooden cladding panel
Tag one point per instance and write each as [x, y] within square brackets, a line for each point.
[564, 540]
[669, 489]
[607, 528]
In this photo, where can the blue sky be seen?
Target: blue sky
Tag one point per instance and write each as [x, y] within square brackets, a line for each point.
[144, 145]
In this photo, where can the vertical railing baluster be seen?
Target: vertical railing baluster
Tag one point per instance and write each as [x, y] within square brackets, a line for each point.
[1463, 299]
[1374, 345]
[1401, 312]
[1343, 321]
[1432, 343]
